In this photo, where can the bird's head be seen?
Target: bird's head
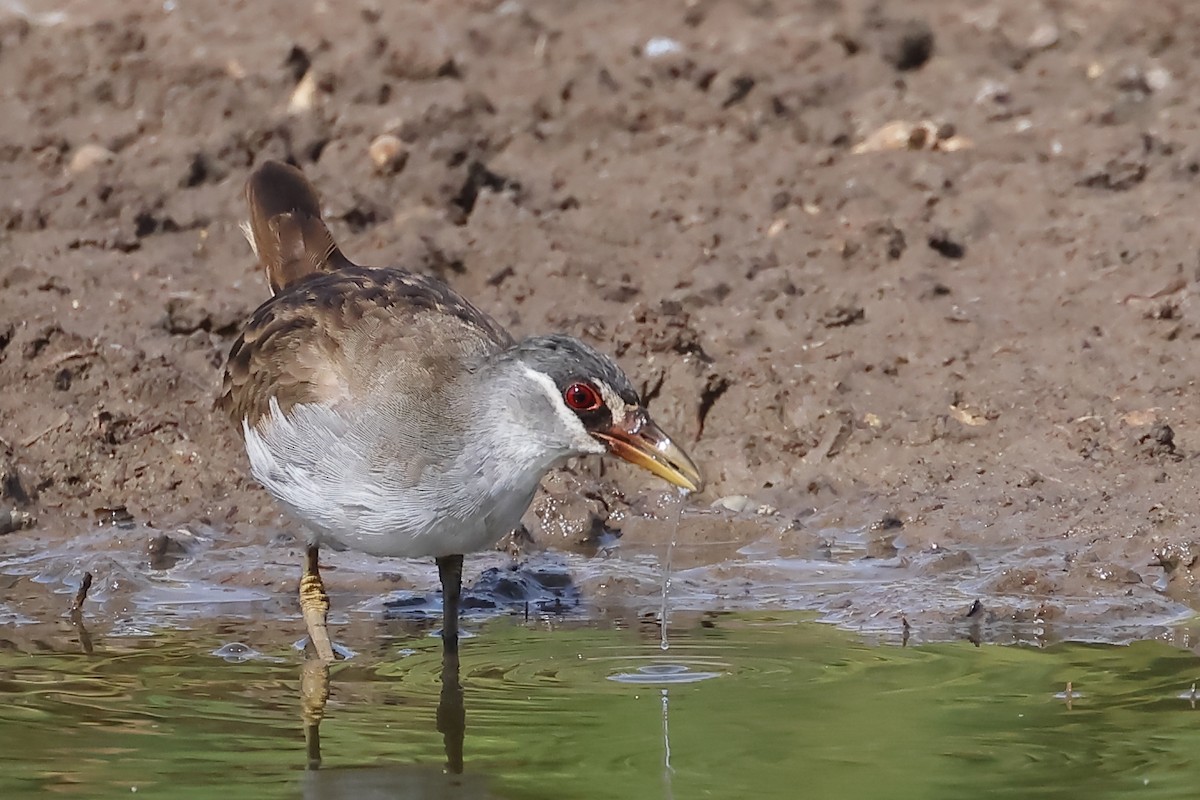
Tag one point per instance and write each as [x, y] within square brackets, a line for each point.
[595, 409]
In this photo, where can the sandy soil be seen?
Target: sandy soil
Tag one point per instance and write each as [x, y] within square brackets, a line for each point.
[970, 357]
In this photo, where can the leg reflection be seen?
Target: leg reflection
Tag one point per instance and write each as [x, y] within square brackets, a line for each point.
[451, 714]
[451, 711]
[314, 694]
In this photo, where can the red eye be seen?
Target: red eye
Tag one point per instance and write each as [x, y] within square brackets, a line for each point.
[582, 397]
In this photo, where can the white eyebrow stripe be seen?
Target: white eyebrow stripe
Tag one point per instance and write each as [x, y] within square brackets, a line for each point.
[616, 405]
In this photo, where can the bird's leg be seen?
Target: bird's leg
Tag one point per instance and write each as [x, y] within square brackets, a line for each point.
[81, 595]
[76, 613]
[450, 572]
[315, 605]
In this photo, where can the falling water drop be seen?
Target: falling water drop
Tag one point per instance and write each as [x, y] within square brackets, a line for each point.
[677, 510]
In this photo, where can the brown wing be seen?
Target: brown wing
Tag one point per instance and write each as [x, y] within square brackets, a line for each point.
[342, 336]
[286, 228]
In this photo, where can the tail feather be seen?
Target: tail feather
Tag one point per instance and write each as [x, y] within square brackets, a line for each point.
[285, 228]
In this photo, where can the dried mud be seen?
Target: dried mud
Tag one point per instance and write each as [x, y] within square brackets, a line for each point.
[964, 366]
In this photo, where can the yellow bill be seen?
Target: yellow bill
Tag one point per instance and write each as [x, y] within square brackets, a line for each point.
[639, 441]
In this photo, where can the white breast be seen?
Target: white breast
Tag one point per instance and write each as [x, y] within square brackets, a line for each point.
[314, 462]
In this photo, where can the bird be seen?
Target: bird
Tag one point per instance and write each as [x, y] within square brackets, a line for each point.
[390, 416]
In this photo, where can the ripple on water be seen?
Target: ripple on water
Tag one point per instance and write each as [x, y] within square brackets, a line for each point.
[238, 653]
[663, 675]
[340, 650]
[552, 713]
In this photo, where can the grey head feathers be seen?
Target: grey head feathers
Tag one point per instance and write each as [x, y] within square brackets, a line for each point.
[567, 360]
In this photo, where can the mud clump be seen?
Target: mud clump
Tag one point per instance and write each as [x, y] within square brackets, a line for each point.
[14, 520]
[906, 45]
[522, 589]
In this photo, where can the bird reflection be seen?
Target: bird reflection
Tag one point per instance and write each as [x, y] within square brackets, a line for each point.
[451, 712]
[407, 780]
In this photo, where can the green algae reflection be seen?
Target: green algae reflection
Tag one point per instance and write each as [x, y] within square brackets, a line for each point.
[790, 709]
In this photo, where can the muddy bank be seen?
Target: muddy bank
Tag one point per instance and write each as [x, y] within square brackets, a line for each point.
[979, 343]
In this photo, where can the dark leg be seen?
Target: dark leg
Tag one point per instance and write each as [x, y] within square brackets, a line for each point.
[451, 715]
[80, 596]
[450, 571]
[315, 605]
[76, 614]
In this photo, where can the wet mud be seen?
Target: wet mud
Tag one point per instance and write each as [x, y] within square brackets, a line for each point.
[914, 281]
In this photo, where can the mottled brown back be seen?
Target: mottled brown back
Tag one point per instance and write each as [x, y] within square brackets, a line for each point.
[350, 334]
[335, 332]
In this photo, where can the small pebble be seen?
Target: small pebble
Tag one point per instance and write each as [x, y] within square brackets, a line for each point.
[992, 91]
[1157, 79]
[660, 46]
[734, 502]
[388, 153]
[88, 156]
[1044, 36]
[304, 96]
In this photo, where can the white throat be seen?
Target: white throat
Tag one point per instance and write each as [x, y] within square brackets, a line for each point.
[529, 430]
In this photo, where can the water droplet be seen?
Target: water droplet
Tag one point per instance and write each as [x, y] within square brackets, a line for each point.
[677, 510]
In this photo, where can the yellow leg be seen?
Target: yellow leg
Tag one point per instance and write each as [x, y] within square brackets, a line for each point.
[315, 605]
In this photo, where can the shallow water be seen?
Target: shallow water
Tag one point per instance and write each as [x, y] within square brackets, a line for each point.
[741, 706]
[717, 563]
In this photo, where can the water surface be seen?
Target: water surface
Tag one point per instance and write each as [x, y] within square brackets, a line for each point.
[742, 705]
